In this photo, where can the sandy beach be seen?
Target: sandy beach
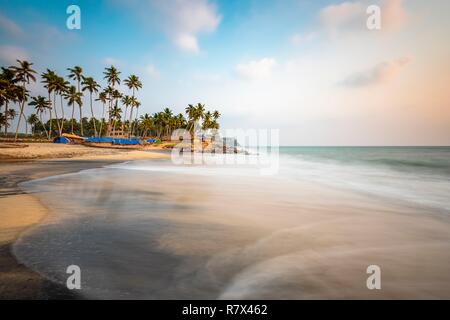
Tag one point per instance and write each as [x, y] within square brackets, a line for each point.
[21, 211]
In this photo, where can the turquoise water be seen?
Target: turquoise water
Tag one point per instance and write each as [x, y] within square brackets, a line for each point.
[431, 160]
[416, 175]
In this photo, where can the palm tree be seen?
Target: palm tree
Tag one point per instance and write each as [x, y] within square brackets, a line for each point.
[49, 79]
[146, 124]
[73, 97]
[207, 120]
[195, 113]
[137, 104]
[112, 77]
[61, 87]
[2, 120]
[92, 86]
[41, 105]
[32, 120]
[102, 97]
[76, 73]
[23, 73]
[10, 115]
[8, 92]
[127, 101]
[115, 115]
[133, 83]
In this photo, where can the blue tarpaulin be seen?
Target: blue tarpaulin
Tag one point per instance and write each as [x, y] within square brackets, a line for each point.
[151, 140]
[61, 140]
[117, 141]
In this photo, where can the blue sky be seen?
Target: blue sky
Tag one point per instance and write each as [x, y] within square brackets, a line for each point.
[309, 68]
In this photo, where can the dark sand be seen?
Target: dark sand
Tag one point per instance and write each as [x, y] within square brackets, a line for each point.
[20, 211]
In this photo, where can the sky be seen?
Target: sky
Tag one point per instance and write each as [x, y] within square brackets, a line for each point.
[310, 68]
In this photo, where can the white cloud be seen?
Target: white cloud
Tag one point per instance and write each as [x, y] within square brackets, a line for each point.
[352, 16]
[343, 15]
[380, 73]
[151, 71]
[109, 61]
[256, 69]
[9, 54]
[184, 20]
[10, 27]
[300, 38]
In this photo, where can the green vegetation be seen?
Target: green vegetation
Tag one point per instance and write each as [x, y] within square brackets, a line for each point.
[120, 112]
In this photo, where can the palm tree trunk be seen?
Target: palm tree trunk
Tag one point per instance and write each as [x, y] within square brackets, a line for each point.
[62, 114]
[56, 114]
[25, 119]
[18, 122]
[136, 123]
[131, 123]
[93, 119]
[73, 112]
[6, 118]
[21, 113]
[124, 118]
[81, 120]
[43, 126]
[101, 120]
[50, 130]
[108, 130]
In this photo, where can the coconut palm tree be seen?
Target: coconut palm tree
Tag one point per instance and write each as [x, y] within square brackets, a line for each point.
[207, 120]
[115, 115]
[61, 87]
[32, 120]
[137, 104]
[10, 115]
[146, 124]
[112, 76]
[73, 97]
[8, 92]
[24, 74]
[102, 97]
[92, 86]
[41, 105]
[2, 120]
[133, 83]
[49, 79]
[76, 73]
[126, 101]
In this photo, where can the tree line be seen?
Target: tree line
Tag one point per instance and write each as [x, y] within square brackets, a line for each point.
[119, 111]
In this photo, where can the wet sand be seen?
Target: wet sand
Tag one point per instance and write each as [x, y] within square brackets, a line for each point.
[20, 211]
[149, 230]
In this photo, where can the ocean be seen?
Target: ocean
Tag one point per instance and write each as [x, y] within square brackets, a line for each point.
[156, 230]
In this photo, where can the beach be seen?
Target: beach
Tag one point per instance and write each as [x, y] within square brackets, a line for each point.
[21, 211]
[151, 229]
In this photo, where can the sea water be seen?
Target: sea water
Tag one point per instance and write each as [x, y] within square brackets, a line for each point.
[155, 230]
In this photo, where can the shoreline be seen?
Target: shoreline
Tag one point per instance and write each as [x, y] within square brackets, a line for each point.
[22, 211]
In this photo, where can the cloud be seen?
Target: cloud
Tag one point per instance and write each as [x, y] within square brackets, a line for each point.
[299, 38]
[351, 16]
[9, 54]
[10, 27]
[184, 20]
[346, 15]
[379, 74]
[151, 71]
[256, 69]
[109, 61]
[393, 14]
